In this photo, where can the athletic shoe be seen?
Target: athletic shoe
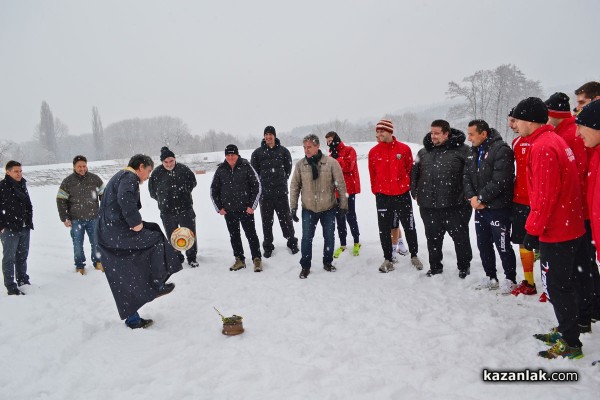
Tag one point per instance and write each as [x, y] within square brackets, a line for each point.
[15, 292]
[462, 274]
[257, 264]
[549, 338]
[487, 283]
[339, 251]
[543, 298]
[402, 250]
[507, 286]
[524, 288]
[433, 272]
[194, 264]
[562, 349]
[395, 258]
[329, 268]
[386, 267]
[414, 260]
[98, 266]
[304, 273]
[23, 282]
[238, 264]
[143, 323]
[356, 249]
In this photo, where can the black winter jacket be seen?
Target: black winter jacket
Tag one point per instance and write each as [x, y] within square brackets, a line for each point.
[235, 189]
[274, 166]
[172, 189]
[493, 179]
[16, 211]
[437, 175]
[78, 197]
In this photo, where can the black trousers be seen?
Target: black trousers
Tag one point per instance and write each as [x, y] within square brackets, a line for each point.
[186, 219]
[455, 221]
[389, 207]
[593, 270]
[493, 227]
[233, 220]
[281, 206]
[352, 221]
[557, 261]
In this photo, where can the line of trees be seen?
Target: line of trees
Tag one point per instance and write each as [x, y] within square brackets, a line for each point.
[487, 94]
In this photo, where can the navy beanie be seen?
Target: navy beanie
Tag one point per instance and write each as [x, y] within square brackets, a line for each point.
[531, 109]
[166, 153]
[590, 115]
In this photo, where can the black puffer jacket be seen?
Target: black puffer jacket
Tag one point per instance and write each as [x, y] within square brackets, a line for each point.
[274, 166]
[16, 212]
[493, 179]
[437, 176]
[235, 189]
[172, 189]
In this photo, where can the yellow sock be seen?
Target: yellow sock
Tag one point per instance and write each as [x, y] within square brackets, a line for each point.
[527, 259]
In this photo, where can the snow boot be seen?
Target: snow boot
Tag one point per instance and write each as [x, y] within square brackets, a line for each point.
[329, 268]
[143, 323]
[238, 264]
[562, 349]
[462, 274]
[13, 291]
[257, 264]
[304, 273]
[98, 266]
[339, 251]
[433, 272]
[193, 264]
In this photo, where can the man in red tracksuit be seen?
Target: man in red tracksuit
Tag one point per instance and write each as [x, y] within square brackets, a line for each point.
[588, 290]
[588, 122]
[346, 157]
[555, 222]
[390, 163]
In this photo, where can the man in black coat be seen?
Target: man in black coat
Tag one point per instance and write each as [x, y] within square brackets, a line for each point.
[437, 185]
[235, 192]
[16, 222]
[138, 259]
[488, 185]
[273, 163]
[171, 185]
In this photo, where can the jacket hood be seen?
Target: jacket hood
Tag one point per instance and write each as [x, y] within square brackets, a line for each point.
[263, 144]
[456, 138]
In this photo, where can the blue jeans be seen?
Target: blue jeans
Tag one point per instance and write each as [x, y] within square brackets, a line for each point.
[78, 229]
[15, 249]
[309, 225]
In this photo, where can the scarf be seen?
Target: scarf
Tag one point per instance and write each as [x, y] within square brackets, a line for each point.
[313, 161]
[333, 146]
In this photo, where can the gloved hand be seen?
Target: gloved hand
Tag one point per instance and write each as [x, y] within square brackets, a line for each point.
[342, 212]
[293, 212]
[531, 242]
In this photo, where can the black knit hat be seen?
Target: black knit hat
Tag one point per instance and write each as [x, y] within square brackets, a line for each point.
[271, 130]
[511, 112]
[166, 153]
[531, 109]
[231, 149]
[558, 106]
[590, 115]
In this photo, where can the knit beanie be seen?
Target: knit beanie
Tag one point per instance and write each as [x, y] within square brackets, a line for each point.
[590, 115]
[511, 112]
[231, 149]
[531, 109]
[271, 130]
[166, 153]
[558, 106]
[386, 125]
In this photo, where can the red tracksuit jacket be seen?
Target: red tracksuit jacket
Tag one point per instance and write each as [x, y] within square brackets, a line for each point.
[389, 168]
[347, 160]
[521, 150]
[593, 197]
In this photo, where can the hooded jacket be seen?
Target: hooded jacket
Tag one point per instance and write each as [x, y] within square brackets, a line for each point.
[492, 180]
[437, 175]
[274, 167]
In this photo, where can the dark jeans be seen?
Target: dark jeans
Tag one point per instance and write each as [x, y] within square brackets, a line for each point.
[79, 227]
[233, 220]
[388, 208]
[309, 225]
[493, 227]
[455, 221]
[352, 221]
[15, 249]
[186, 219]
[281, 206]
[558, 268]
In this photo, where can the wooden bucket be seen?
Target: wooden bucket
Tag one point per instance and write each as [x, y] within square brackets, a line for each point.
[233, 328]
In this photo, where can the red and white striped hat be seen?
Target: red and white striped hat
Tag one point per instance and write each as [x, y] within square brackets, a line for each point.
[386, 125]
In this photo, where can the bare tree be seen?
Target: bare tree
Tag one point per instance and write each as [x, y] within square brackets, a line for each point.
[46, 131]
[98, 134]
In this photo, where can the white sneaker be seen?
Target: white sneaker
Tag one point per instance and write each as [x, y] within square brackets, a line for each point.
[507, 287]
[401, 248]
[487, 283]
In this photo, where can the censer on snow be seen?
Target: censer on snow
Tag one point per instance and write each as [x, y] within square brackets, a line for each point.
[231, 325]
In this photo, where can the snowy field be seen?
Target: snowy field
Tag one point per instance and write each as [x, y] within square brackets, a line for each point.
[353, 334]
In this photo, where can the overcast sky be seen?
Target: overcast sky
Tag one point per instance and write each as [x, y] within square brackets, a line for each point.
[236, 66]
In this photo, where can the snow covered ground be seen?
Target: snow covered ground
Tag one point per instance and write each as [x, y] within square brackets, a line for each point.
[353, 334]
